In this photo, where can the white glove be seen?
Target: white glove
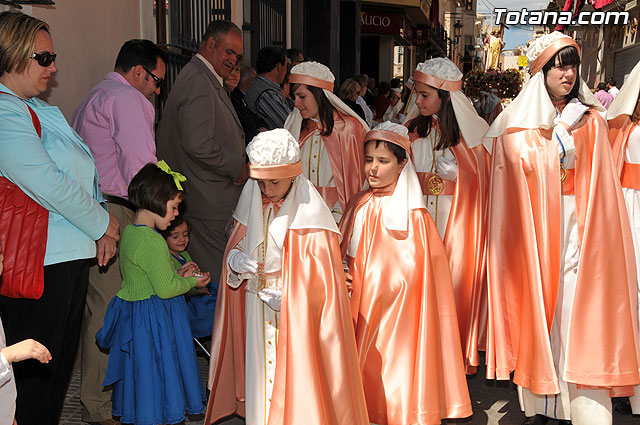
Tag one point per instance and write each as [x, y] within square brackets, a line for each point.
[271, 297]
[241, 262]
[447, 168]
[572, 113]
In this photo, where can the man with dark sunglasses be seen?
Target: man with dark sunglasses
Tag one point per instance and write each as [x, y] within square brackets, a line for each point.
[116, 121]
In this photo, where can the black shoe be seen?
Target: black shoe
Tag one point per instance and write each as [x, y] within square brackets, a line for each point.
[536, 420]
[623, 407]
[563, 422]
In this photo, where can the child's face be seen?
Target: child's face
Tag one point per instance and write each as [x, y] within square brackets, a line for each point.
[381, 167]
[427, 99]
[275, 190]
[178, 239]
[172, 211]
[306, 103]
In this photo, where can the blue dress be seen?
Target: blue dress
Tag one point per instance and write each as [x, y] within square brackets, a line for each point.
[200, 308]
[152, 362]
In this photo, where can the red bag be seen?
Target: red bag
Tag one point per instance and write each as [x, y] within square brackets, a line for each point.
[23, 233]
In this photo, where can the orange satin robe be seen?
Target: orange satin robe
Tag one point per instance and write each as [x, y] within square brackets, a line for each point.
[620, 129]
[317, 379]
[465, 243]
[524, 255]
[346, 154]
[404, 314]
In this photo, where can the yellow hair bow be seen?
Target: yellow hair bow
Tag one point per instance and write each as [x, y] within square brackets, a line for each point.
[177, 177]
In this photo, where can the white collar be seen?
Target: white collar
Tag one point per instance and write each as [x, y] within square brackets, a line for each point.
[211, 68]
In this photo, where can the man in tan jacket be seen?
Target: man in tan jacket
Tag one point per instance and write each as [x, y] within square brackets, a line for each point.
[200, 136]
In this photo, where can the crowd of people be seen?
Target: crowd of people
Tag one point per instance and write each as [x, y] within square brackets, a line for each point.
[349, 255]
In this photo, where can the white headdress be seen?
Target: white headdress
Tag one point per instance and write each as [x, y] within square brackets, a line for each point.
[443, 74]
[532, 108]
[407, 195]
[627, 98]
[317, 75]
[275, 155]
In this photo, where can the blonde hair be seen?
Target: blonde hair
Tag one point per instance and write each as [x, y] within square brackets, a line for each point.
[17, 37]
[350, 89]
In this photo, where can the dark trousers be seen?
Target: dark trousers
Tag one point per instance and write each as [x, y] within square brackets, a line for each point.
[54, 320]
[207, 242]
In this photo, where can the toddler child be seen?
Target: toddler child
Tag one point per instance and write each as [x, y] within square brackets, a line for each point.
[201, 302]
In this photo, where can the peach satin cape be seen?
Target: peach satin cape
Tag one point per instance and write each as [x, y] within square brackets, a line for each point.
[404, 314]
[317, 379]
[465, 243]
[524, 257]
[346, 155]
[620, 129]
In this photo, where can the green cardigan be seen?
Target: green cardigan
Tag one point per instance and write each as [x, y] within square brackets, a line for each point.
[147, 268]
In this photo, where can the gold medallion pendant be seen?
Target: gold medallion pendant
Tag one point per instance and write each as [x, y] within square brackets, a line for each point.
[435, 185]
[563, 172]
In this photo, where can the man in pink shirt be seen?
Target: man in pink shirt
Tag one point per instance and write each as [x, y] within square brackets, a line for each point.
[603, 96]
[116, 122]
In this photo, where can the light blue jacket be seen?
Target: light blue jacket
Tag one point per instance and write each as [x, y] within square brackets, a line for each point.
[57, 171]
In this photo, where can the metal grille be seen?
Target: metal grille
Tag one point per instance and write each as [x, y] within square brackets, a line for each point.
[189, 20]
[175, 62]
[270, 22]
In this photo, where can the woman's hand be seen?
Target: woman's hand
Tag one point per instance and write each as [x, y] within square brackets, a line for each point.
[106, 248]
[113, 229]
[27, 349]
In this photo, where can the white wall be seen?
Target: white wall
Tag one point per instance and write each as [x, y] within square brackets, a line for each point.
[87, 35]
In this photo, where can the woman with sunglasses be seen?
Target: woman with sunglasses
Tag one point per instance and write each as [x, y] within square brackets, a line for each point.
[42, 155]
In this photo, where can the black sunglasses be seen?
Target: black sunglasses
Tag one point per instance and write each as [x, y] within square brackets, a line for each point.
[157, 80]
[44, 59]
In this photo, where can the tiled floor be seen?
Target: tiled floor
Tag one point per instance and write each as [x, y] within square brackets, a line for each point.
[494, 403]
[72, 412]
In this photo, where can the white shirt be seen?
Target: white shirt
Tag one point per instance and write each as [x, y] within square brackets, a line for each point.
[613, 91]
[211, 68]
[368, 115]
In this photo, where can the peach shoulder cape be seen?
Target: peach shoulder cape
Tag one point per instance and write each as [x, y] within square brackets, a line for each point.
[346, 155]
[524, 259]
[317, 379]
[465, 243]
[404, 313]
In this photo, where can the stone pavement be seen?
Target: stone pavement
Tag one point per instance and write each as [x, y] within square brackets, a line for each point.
[494, 403]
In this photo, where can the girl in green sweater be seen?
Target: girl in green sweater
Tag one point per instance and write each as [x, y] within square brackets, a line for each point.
[152, 363]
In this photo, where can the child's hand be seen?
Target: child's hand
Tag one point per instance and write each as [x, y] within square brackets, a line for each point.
[201, 281]
[188, 269]
[349, 279]
[27, 349]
